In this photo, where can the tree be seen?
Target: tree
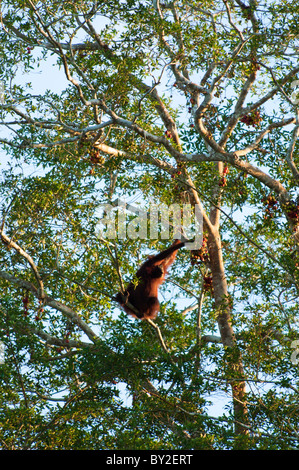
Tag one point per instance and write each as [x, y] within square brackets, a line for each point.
[176, 103]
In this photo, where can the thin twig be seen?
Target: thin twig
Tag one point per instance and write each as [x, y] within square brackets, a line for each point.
[153, 324]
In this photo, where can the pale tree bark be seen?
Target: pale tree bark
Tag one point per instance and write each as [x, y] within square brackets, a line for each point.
[202, 94]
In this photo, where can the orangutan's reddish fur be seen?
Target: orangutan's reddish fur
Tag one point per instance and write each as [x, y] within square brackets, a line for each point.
[144, 296]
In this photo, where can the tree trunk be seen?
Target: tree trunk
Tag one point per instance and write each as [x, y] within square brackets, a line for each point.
[223, 305]
[235, 373]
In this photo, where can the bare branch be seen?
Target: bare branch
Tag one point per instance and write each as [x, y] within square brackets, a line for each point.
[289, 155]
[211, 339]
[268, 96]
[262, 134]
[9, 243]
[159, 334]
[231, 20]
[66, 311]
[44, 30]
[52, 340]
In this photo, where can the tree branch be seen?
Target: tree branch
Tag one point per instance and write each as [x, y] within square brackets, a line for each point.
[9, 243]
[66, 311]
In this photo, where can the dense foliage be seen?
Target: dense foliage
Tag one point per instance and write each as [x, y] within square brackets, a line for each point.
[171, 102]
